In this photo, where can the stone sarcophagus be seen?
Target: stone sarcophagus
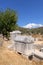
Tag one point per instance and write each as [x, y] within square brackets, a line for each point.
[23, 44]
[23, 48]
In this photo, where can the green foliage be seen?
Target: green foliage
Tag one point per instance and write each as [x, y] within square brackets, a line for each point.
[8, 20]
[24, 30]
[37, 30]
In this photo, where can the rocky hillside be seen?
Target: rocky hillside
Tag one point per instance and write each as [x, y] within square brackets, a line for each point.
[33, 30]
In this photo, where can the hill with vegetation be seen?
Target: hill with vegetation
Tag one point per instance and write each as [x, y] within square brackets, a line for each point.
[37, 30]
[31, 31]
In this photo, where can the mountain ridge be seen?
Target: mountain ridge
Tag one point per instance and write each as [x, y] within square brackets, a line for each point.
[33, 25]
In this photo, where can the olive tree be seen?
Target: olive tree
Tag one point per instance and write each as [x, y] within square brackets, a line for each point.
[8, 20]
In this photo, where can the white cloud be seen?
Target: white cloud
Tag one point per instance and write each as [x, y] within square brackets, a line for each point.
[33, 25]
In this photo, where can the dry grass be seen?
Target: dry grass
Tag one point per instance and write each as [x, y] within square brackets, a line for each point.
[8, 57]
[38, 42]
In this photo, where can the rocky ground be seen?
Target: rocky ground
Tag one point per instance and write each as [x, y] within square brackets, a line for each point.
[10, 57]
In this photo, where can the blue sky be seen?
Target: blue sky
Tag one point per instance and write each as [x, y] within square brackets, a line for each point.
[28, 11]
